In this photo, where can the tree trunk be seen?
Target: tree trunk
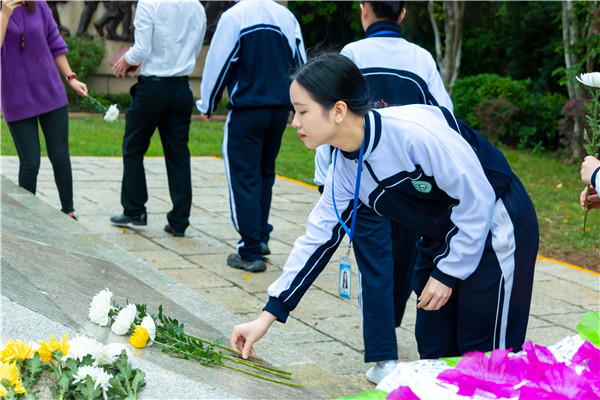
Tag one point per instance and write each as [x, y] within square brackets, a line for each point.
[448, 56]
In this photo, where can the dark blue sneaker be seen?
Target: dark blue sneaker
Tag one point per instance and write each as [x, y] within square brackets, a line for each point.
[235, 261]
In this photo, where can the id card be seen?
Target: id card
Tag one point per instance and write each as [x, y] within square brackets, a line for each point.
[345, 275]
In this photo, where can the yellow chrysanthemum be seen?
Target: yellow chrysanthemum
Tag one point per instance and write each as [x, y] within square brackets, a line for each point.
[47, 348]
[15, 350]
[139, 337]
[10, 373]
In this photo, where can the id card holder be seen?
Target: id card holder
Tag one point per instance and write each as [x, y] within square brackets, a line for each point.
[345, 275]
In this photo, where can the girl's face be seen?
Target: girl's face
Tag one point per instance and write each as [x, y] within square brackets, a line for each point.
[315, 125]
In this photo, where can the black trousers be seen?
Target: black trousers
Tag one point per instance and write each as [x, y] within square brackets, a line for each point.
[385, 255]
[25, 134]
[250, 146]
[166, 104]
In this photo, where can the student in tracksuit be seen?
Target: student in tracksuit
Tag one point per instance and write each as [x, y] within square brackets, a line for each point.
[421, 167]
[397, 73]
[252, 53]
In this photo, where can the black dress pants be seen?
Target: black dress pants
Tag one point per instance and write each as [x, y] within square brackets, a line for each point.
[166, 104]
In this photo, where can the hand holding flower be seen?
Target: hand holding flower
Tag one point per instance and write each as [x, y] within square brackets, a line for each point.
[79, 87]
[593, 201]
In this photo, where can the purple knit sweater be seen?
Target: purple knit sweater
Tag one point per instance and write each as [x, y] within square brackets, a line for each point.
[31, 84]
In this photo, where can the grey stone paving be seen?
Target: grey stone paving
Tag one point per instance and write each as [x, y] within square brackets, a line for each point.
[322, 341]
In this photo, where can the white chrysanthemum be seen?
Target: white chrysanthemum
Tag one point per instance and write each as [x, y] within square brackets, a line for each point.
[591, 79]
[35, 346]
[112, 113]
[148, 324]
[81, 346]
[98, 375]
[99, 307]
[111, 352]
[124, 320]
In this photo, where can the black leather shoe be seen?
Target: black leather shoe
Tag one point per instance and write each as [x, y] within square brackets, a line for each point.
[264, 249]
[235, 261]
[169, 229]
[123, 219]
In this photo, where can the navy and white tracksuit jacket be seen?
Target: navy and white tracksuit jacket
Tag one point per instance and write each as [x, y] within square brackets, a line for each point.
[397, 72]
[426, 170]
[253, 51]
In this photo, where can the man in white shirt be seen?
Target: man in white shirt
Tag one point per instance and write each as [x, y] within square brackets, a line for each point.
[168, 39]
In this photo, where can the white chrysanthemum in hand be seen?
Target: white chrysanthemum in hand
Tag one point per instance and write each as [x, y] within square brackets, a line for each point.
[591, 79]
[81, 346]
[111, 352]
[112, 113]
[98, 375]
[124, 320]
[148, 324]
[99, 307]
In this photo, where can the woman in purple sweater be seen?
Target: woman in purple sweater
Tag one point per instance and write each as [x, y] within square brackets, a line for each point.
[32, 91]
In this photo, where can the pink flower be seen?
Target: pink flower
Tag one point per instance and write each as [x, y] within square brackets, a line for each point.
[558, 382]
[476, 373]
[402, 393]
[539, 360]
[588, 356]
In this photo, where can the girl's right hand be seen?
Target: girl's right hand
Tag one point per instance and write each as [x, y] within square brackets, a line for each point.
[8, 6]
[245, 335]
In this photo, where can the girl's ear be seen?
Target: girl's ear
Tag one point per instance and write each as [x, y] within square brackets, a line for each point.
[339, 111]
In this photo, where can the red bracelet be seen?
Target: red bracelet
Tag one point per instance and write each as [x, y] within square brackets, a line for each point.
[71, 77]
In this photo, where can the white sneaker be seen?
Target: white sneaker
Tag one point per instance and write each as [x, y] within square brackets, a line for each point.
[380, 370]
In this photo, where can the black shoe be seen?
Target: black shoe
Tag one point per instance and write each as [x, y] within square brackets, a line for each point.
[169, 229]
[123, 219]
[264, 249]
[235, 261]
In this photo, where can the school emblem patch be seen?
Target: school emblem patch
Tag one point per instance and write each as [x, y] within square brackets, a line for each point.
[422, 186]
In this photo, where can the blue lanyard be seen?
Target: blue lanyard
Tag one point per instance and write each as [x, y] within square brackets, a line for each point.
[350, 231]
[381, 33]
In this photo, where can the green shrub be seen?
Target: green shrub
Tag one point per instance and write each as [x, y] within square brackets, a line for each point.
[122, 100]
[509, 111]
[84, 57]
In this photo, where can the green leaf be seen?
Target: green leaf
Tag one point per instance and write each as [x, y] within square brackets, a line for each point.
[86, 388]
[451, 361]
[589, 327]
[376, 394]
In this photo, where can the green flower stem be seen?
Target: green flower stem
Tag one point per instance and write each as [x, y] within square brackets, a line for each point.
[230, 367]
[96, 102]
[263, 368]
[239, 353]
[263, 377]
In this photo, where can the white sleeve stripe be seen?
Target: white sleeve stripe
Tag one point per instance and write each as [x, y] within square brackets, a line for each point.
[218, 88]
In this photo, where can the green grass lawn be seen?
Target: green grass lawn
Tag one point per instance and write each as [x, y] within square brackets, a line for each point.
[553, 184]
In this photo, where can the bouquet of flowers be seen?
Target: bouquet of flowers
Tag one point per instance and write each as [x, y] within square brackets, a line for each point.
[80, 368]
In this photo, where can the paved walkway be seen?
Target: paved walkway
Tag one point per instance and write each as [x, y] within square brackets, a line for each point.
[324, 333]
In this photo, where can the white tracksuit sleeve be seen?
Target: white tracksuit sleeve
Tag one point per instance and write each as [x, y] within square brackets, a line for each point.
[462, 177]
[314, 249]
[222, 52]
[436, 86]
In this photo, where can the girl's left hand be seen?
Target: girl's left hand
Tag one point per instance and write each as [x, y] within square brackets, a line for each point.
[79, 87]
[434, 295]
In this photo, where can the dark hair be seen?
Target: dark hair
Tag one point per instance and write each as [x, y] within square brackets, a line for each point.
[331, 77]
[389, 10]
[30, 6]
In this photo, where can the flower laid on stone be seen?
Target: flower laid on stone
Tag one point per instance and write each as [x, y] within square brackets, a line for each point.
[10, 379]
[100, 308]
[122, 324]
[170, 335]
[15, 350]
[47, 349]
[98, 375]
[592, 142]
[139, 337]
[79, 368]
